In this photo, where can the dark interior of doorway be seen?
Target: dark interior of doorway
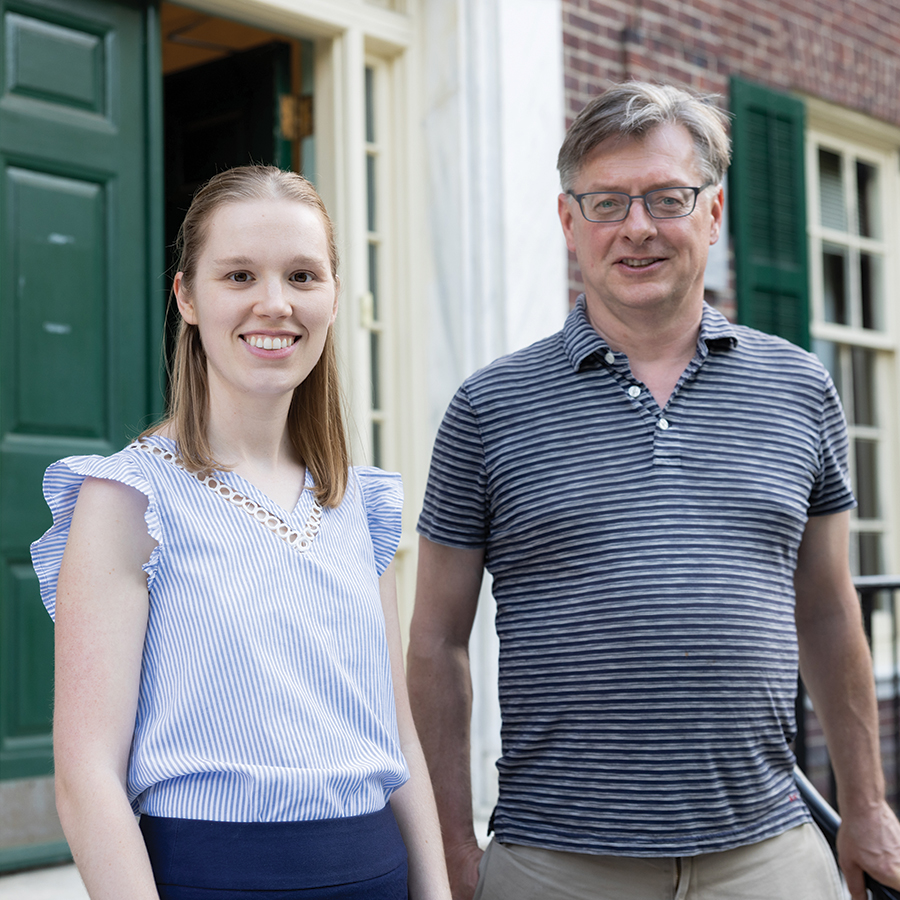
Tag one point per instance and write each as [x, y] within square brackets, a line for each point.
[223, 88]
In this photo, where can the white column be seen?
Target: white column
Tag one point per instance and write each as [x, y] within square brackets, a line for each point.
[492, 93]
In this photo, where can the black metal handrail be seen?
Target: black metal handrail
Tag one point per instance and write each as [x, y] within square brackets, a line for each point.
[829, 821]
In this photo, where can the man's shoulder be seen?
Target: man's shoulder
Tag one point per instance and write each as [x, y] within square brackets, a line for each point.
[759, 350]
[541, 363]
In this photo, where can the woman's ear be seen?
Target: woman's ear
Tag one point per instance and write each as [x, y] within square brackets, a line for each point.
[182, 298]
[337, 294]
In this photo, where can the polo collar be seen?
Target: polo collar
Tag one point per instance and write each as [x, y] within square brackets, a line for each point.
[581, 341]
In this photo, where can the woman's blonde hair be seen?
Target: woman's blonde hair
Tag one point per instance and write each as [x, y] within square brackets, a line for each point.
[315, 419]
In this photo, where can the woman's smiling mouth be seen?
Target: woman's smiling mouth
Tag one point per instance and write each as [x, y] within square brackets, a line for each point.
[262, 342]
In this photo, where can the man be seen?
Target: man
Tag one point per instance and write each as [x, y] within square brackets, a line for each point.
[662, 499]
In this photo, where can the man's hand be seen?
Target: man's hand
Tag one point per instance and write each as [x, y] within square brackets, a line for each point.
[462, 866]
[869, 841]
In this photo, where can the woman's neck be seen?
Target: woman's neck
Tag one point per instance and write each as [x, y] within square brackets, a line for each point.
[249, 429]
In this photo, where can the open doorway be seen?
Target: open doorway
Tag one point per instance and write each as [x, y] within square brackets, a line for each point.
[233, 94]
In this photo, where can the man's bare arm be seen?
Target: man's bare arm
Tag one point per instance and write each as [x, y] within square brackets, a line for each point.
[837, 671]
[440, 691]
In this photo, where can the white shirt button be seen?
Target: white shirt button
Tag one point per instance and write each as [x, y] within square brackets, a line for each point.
[664, 424]
[610, 357]
[634, 391]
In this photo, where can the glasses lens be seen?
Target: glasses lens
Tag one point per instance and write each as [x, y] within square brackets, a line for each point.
[605, 206]
[670, 203]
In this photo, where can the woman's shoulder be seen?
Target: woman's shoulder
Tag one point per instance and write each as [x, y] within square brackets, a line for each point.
[126, 466]
[376, 485]
[63, 481]
[382, 496]
[374, 475]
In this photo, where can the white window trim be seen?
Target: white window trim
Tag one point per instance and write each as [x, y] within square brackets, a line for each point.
[859, 137]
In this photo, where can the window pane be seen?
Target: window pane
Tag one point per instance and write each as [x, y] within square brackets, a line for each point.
[867, 200]
[866, 479]
[869, 544]
[834, 282]
[831, 191]
[377, 456]
[373, 280]
[370, 192]
[375, 362]
[863, 386]
[828, 353]
[871, 287]
[370, 105]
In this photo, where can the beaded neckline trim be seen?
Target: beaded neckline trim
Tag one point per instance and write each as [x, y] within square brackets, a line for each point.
[301, 541]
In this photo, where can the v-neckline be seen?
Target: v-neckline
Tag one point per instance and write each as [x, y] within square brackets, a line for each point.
[248, 487]
[241, 498]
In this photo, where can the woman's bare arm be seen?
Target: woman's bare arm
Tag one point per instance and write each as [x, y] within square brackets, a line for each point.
[101, 620]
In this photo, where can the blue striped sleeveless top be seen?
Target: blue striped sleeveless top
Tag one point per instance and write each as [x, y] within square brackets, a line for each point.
[266, 690]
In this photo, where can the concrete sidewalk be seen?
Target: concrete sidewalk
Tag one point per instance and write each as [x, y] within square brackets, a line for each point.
[54, 883]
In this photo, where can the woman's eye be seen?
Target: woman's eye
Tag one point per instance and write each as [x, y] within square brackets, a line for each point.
[302, 277]
[239, 277]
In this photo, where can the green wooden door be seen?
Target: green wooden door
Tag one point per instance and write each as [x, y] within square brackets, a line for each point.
[79, 294]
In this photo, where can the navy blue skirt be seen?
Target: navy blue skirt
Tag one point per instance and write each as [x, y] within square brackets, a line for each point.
[357, 858]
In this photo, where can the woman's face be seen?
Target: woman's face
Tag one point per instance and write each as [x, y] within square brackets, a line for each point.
[263, 296]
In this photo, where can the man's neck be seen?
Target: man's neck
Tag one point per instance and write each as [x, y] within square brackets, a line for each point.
[659, 346]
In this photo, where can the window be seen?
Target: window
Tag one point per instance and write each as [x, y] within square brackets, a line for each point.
[373, 311]
[846, 189]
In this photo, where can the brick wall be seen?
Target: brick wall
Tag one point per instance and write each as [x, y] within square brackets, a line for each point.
[843, 51]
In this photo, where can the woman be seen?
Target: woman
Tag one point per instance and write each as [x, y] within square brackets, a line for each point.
[227, 645]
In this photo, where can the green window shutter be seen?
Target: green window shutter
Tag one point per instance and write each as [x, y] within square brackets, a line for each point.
[768, 200]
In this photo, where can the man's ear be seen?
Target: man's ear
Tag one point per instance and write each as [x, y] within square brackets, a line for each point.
[564, 208]
[182, 298]
[717, 212]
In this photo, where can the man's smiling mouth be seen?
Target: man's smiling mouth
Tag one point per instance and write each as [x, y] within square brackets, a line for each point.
[639, 263]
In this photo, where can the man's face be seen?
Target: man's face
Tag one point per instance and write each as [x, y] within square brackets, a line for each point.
[642, 264]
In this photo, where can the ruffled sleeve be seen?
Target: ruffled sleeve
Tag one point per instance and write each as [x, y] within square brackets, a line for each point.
[62, 482]
[383, 497]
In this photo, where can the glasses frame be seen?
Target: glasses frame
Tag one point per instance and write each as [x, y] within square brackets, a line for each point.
[643, 198]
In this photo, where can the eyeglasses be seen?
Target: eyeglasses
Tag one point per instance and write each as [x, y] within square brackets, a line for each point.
[613, 206]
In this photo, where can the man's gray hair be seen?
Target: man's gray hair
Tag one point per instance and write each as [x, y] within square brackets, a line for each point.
[635, 108]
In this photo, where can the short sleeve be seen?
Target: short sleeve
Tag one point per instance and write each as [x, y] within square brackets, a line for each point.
[383, 497]
[832, 491]
[454, 511]
[62, 482]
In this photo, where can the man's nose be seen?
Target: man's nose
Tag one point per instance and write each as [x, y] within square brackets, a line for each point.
[638, 218]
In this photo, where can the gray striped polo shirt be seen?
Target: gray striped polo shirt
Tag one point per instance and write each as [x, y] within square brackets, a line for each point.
[643, 567]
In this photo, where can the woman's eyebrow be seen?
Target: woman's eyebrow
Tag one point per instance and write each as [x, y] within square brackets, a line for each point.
[248, 261]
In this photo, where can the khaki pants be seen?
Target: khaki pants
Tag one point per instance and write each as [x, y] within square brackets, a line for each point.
[796, 865]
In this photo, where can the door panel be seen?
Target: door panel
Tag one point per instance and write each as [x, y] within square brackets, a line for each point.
[57, 240]
[56, 63]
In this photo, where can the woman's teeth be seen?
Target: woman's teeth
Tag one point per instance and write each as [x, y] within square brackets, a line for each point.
[268, 343]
